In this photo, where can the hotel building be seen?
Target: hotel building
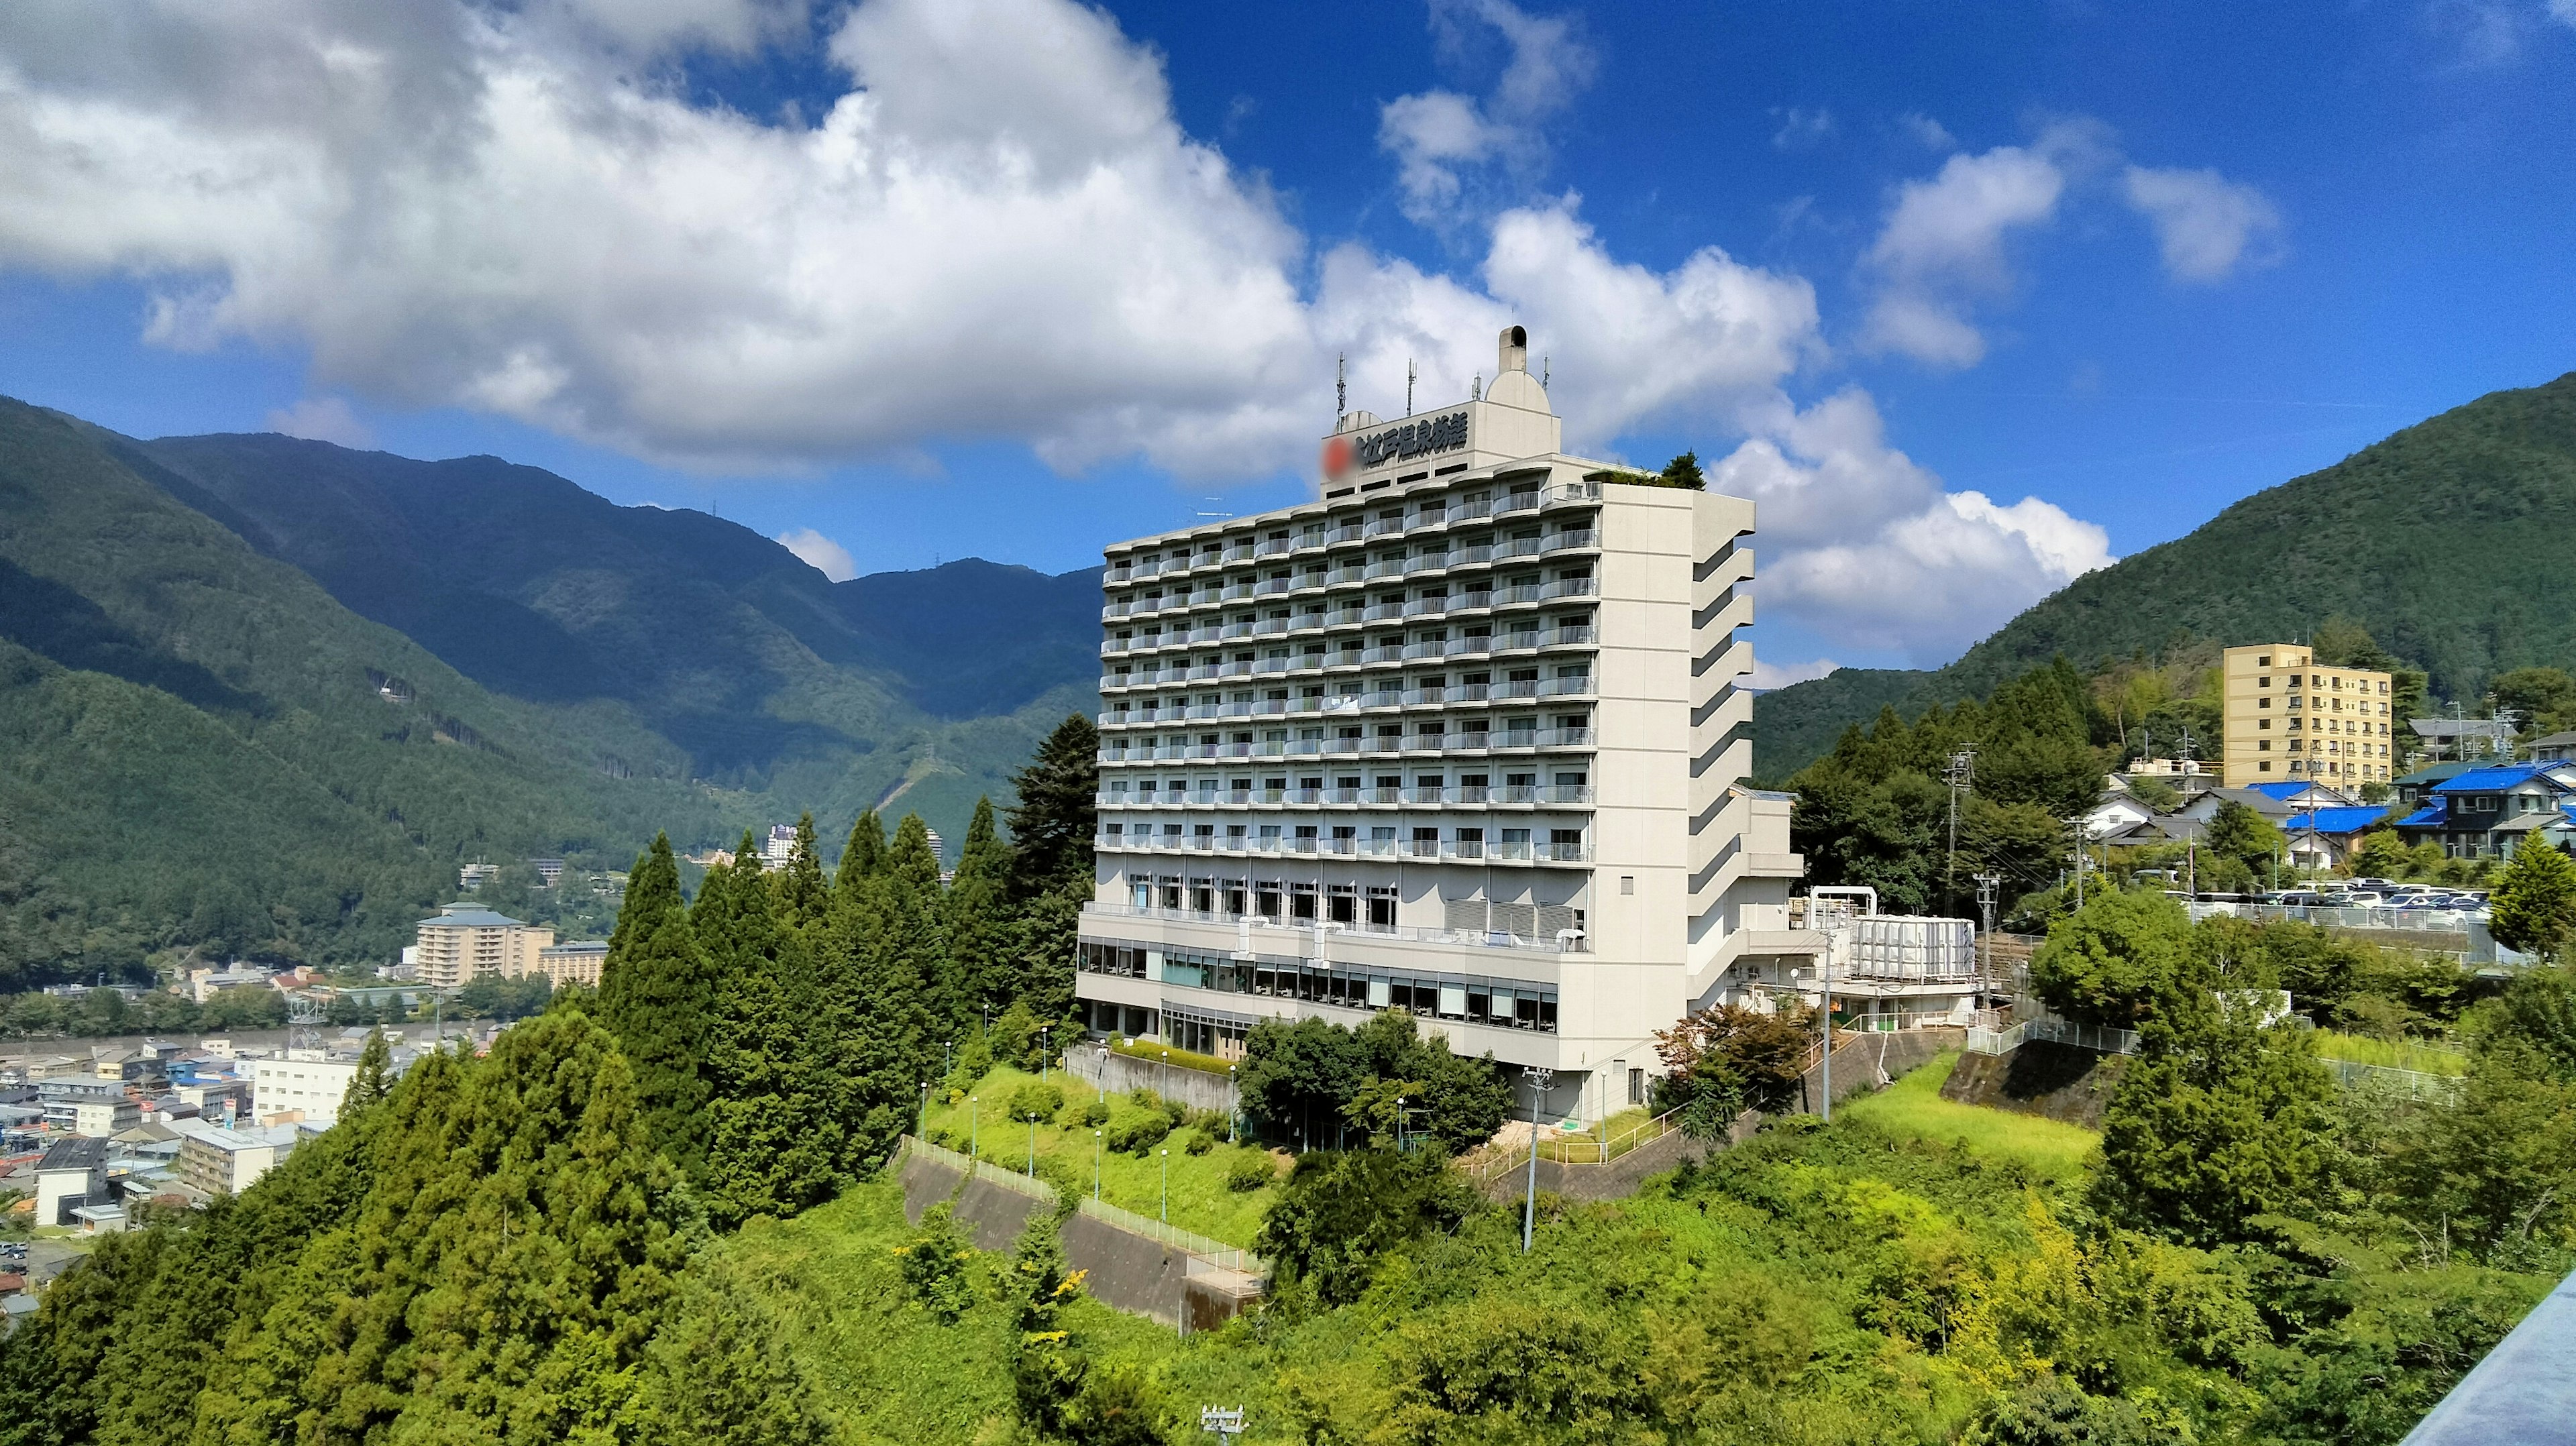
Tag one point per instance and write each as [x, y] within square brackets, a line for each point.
[1464, 734]
[2286, 719]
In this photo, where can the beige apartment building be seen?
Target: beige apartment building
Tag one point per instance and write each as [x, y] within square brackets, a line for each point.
[466, 940]
[2291, 720]
[1465, 734]
[576, 961]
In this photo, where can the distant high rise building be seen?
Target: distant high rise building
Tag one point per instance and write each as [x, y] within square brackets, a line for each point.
[465, 941]
[2290, 719]
[779, 847]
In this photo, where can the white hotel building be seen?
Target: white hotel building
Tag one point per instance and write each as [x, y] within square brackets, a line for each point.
[1463, 735]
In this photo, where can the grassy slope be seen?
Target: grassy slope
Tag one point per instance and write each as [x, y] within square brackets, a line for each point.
[1199, 1199]
[1912, 1109]
[2391, 1054]
[2437, 539]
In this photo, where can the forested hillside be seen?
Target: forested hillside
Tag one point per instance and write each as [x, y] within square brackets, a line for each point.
[2442, 541]
[262, 696]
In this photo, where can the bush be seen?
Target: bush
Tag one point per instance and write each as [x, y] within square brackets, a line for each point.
[1343, 1213]
[1200, 1142]
[1137, 1132]
[934, 1265]
[1084, 1115]
[1045, 1101]
[973, 1063]
[1250, 1170]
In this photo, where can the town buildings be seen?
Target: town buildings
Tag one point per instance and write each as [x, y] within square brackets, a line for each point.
[304, 1086]
[216, 1160]
[72, 1175]
[2289, 718]
[466, 940]
[1465, 734]
[2487, 813]
[575, 961]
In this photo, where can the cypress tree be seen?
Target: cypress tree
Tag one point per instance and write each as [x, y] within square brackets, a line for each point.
[887, 955]
[982, 929]
[862, 855]
[656, 995]
[803, 900]
[773, 1144]
[1051, 825]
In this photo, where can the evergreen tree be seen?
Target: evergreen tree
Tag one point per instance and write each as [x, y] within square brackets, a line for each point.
[656, 994]
[773, 1140]
[803, 901]
[982, 928]
[1052, 824]
[2535, 900]
[861, 856]
[374, 1079]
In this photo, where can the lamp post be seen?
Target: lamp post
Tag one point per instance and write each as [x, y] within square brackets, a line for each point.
[1539, 1080]
[1033, 1144]
[1095, 1164]
[1233, 1107]
[1167, 1184]
[1042, 1051]
[974, 1127]
[921, 1128]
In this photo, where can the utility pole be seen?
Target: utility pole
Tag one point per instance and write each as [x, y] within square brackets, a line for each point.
[1960, 774]
[1539, 1080]
[2076, 826]
[1986, 886]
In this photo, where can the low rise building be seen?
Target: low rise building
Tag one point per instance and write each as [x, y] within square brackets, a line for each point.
[466, 941]
[2487, 813]
[305, 1086]
[214, 1160]
[2290, 718]
[93, 1107]
[72, 1174]
[575, 961]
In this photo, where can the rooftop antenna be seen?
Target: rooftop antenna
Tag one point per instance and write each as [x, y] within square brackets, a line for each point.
[1543, 362]
[1408, 386]
[1341, 388]
[1476, 387]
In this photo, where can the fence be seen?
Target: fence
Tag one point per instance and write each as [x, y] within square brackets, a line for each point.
[1117, 1073]
[1211, 1252]
[2414, 1084]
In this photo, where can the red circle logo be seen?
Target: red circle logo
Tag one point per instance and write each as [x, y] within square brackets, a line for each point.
[1337, 456]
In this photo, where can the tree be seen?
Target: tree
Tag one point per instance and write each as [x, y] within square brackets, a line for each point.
[374, 1079]
[656, 994]
[1728, 1059]
[2534, 907]
[860, 857]
[2122, 959]
[1296, 1077]
[2239, 833]
[1053, 822]
[2216, 1120]
[773, 1132]
[982, 928]
[1683, 471]
[2381, 854]
[803, 900]
[1342, 1213]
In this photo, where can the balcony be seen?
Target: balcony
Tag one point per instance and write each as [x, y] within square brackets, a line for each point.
[1238, 552]
[1427, 607]
[1273, 547]
[1272, 586]
[1383, 527]
[1573, 538]
[1383, 612]
[1347, 532]
[1383, 567]
[1574, 587]
[1426, 562]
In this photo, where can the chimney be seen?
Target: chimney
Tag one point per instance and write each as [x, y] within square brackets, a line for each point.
[1515, 349]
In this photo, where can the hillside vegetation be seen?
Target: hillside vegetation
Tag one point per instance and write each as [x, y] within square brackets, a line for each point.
[2438, 540]
[261, 696]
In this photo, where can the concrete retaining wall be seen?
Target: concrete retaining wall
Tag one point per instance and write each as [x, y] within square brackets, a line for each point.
[1132, 1272]
[1119, 1073]
[2053, 1081]
[1866, 1062]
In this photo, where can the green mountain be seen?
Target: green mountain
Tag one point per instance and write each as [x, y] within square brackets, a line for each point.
[2441, 540]
[263, 694]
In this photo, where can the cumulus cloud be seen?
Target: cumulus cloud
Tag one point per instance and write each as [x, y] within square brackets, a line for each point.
[1927, 132]
[1440, 137]
[2206, 224]
[322, 419]
[820, 553]
[1943, 242]
[1801, 129]
[1864, 544]
[1781, 675]
[2563, 11]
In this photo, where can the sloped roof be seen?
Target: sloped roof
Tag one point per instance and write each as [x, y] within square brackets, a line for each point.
[2282, 791]
[2335, 820]
[80, 1152]
[2490, 779]
[469, 917]
[2431, 815]
[2436, 772]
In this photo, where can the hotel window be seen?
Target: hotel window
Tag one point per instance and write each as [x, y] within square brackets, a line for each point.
[1381, 907]
[1301, 901]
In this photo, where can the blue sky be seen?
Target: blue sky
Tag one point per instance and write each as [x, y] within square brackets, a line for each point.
[1972, 297]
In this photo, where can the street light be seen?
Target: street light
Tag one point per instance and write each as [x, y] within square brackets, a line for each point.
[1042, 1051]
[1539, 1080]
[1167, 1184]
[1033, 1144]
[974, 1128]
[1095, 1164]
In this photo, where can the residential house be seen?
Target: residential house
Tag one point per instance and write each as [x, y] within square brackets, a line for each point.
[72, 1174]
[307, 1086]
[2416, 788]
[2324, 838]
[2486, 813]
[92, 1106]
[2556, 748]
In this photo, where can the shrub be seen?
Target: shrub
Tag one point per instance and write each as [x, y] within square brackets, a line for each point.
[1200, 1142]
[1136, 1132]
[934, 1265]
[1250, 1170]
[1045, 1101]
[1343, 1213]
[1084, 1115]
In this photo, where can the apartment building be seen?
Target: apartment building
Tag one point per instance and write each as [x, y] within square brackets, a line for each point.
[306, 1086]
[576, 961]
[466, 940]
[2289, 719]
[220, 1160]
[1464, 734]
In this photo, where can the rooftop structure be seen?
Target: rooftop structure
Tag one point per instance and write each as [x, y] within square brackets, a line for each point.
[1463, 735]
[2289, 718]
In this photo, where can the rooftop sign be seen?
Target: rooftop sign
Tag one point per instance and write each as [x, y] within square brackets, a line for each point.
[1403, 442]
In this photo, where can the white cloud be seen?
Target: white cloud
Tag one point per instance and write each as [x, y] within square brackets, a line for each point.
[1927, 132]
[820, 553]
[1863, 545]
[2205, 224]
[1944, 242]
[2563, 11]
[1438, 137]
[1801, 129]
[1781, 675]
[322, 419]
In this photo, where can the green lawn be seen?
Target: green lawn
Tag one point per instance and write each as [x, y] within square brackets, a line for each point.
[1199, 1199]
[2391, 1054]
[1913, 1107]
